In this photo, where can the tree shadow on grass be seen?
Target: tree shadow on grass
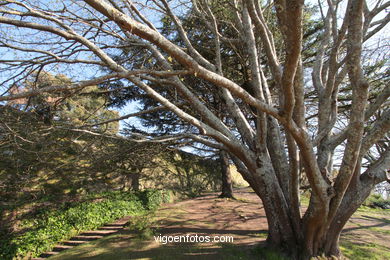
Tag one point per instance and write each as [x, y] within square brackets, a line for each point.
[376, 223]
[384, 220]
[127, 245]
[207, 231]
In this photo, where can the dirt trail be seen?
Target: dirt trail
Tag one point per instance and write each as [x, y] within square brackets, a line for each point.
[243, 219]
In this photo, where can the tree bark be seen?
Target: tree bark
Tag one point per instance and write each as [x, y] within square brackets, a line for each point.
[314, 237]
[282, 234]
[315, 241]
[135, 180]
[226, 177]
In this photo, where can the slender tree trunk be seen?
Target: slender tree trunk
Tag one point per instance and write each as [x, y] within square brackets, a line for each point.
[227, 186]
[135, 180]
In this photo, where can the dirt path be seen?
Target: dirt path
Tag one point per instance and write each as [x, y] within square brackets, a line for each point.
[367, 235]
[243, 219]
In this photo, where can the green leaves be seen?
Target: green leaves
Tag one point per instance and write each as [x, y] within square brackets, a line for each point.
[50, 227]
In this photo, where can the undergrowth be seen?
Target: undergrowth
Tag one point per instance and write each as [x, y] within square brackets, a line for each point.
[50, 226]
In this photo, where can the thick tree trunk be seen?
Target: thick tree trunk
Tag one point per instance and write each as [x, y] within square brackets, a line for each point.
[315, 241]
[355, 195]
[227, 186]
[282, 234]
[315, 237]
[325, 238]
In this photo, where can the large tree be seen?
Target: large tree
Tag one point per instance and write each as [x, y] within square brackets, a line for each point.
[262, 117]
[163, 122]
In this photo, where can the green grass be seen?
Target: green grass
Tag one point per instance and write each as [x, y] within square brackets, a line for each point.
[232, 252]
[358, 251]
[269, 254]
[381, 231]
[263, 235]
[101, 248]
[364, 209]
[243, 200]
[142, 225]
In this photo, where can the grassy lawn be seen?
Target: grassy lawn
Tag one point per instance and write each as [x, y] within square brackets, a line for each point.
[367, 235]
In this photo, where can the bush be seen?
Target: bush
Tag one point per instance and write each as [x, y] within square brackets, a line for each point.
[376, 201]
[154, 198]
[142, 226]
[50, 227]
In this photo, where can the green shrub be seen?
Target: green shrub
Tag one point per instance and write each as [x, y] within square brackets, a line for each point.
[376, 201]
[142, 225]
[50, 227]
[154, 198]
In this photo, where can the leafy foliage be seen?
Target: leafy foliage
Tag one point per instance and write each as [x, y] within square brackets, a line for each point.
[50, 227]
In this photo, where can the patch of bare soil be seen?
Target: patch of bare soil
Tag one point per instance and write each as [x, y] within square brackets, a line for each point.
[239, 222]
[243, 219]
